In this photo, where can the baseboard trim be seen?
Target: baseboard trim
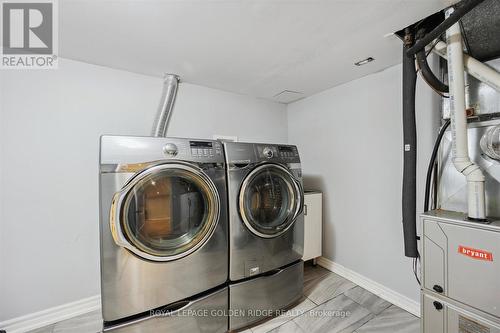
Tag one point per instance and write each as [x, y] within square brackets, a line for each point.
[374, 287]
[51, 316]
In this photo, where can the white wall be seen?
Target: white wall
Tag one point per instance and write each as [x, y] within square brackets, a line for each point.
[49, 136]
[2, 144]
[350, 141]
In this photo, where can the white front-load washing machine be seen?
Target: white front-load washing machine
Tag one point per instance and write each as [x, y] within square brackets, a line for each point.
[163, 228]
[266, 229]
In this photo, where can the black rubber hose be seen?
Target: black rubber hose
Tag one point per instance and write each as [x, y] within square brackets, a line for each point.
[443, 26]
[409, 204]
[426, 71]
[432, 163]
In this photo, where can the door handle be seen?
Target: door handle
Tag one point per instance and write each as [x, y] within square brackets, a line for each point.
[305, 210]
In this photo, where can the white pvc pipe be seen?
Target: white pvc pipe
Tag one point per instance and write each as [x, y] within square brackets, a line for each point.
[461, 160]
[474, 67]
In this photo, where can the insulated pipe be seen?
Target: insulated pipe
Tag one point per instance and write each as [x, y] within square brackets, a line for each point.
[409, 201]
[461, 160]
[451, 19]
[474, 67]
[167, 101]
[428, 75]
[425, 70]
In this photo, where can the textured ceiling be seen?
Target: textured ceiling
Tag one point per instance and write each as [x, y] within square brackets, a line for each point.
[257, 48]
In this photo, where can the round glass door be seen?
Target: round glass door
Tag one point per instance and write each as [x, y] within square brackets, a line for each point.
[270, 200]
[168, 211]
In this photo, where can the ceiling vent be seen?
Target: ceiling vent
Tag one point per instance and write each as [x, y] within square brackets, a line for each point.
[288, 96]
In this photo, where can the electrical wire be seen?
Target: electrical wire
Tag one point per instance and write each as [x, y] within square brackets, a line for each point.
[430, 169]
[416, 261]
[432, 163]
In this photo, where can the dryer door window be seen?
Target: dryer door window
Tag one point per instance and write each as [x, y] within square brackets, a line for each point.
[166, 212]
[270, 200]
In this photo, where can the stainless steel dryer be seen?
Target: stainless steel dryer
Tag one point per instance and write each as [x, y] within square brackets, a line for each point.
[163, 227]
[266, 231]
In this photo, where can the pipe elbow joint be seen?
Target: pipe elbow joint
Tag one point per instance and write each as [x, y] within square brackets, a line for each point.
[471, 171]
[462, 164]
[474, 174]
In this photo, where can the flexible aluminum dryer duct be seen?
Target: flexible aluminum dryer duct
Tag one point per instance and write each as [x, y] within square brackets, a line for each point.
[461, 159]
[167, 101]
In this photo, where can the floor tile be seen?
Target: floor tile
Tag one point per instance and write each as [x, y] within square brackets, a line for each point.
[312, 272]
[326, 287]
[304, 306]
[340, 314]
[330, 304]
[368, 300]
[393, 319]
[288, 327]
[87, 323]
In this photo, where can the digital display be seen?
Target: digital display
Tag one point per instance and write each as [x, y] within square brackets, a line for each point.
[200, 144]
[285, 149]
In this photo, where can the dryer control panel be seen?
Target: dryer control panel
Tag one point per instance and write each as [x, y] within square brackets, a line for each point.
[137, 149]
[275, 152]
[205, 148]
[288, 151]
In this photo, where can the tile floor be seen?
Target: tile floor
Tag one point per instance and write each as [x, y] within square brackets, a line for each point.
[330, 304]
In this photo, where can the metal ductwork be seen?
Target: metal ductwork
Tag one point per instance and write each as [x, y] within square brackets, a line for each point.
[167, 101]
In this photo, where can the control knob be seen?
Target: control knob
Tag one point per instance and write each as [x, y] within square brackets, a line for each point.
[170, 149]
[268, 152]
